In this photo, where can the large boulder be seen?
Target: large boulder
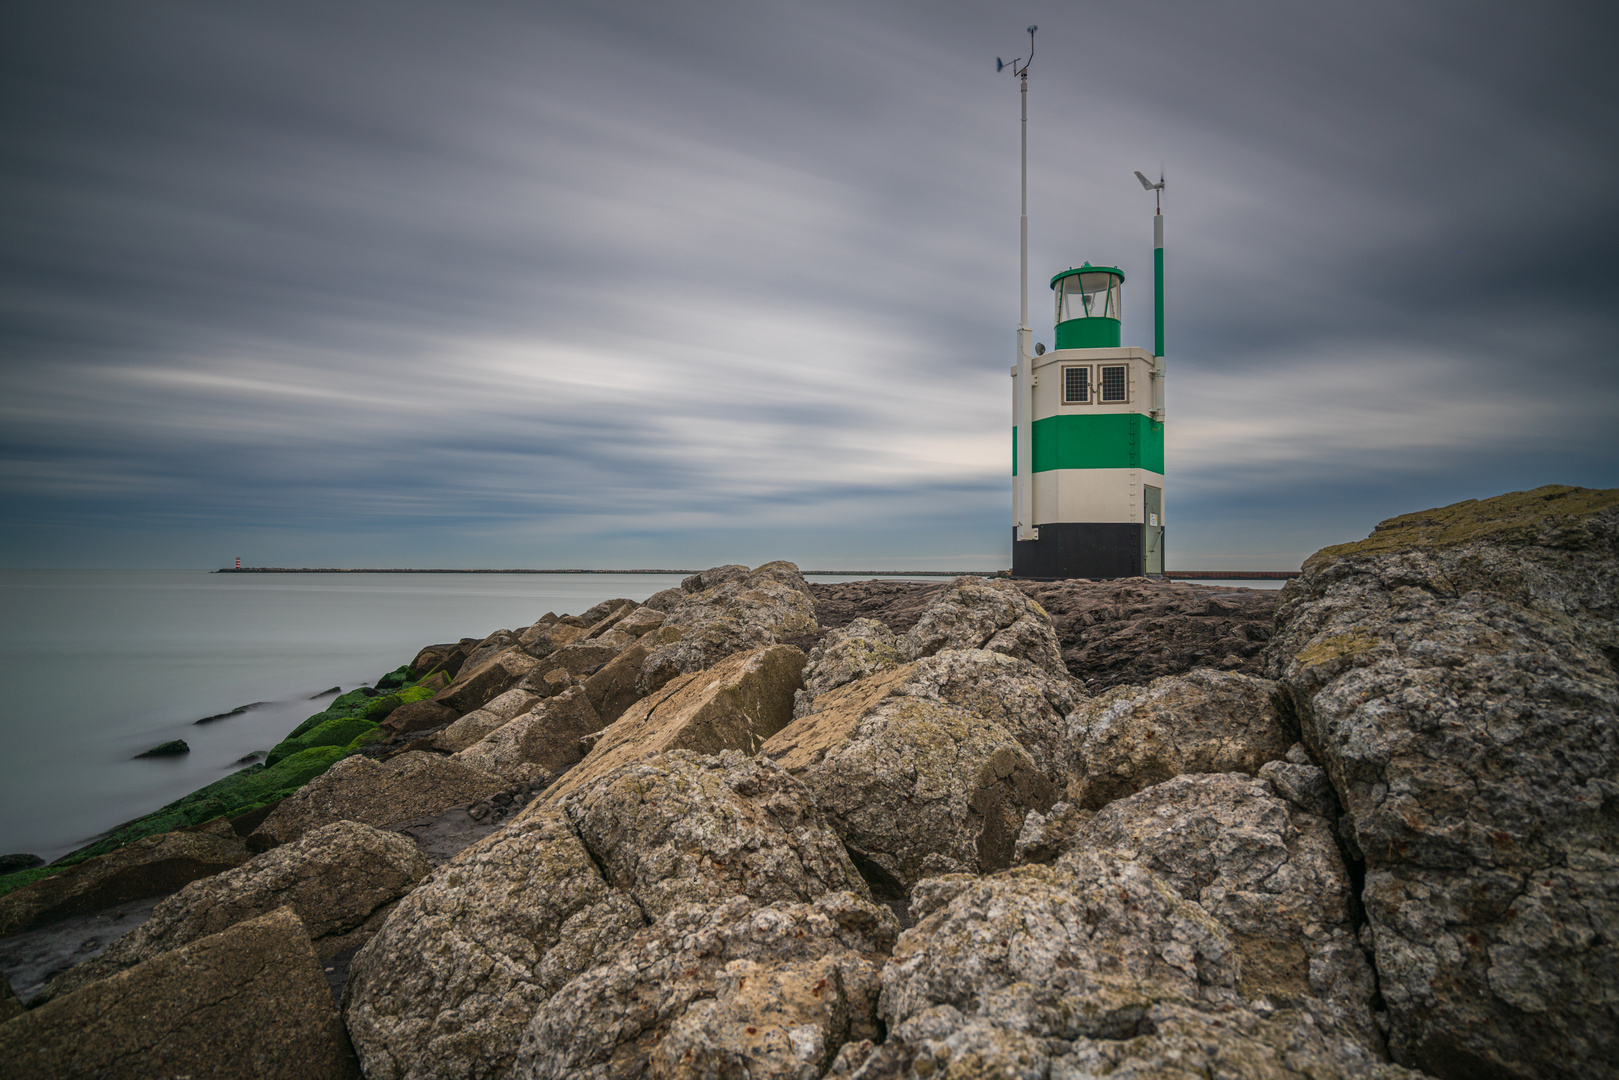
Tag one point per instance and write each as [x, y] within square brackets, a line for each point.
[462, 964]
[581, 657]
[735, 705]
[643, 620]
[1270, 874]
[481, 721]
[448, 658]
[250, 1001]
[931, 767]
[993, 615]
[150, 866]
[544, 638]
[543, 740]
[1206, 721]
[477, 685]
[863, 648]
[465, 961]
[1455, 675]
[1096, 967]
[334, 879]
[734, 990]
[414, 784]
[418, 716]
[729, 610]
[684, 828]
[495, 643]
[612, 688]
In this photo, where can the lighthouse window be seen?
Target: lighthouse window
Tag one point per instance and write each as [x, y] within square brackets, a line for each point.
[1114, 385]
[1076, 385]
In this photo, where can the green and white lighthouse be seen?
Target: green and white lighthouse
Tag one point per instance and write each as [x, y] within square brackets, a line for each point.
[1096, 436]
[1088, 417]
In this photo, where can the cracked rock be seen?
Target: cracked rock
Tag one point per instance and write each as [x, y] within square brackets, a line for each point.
[1454, 674]
[1205, 721]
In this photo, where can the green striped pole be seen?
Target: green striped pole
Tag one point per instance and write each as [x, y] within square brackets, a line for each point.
[1158, 285]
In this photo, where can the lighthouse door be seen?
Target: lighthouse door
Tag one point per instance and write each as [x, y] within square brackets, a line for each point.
[1152, 533]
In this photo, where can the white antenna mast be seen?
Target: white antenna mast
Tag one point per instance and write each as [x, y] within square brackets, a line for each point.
[1024, 499]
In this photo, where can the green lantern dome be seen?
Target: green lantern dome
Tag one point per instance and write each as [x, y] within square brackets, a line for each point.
[1088, 307]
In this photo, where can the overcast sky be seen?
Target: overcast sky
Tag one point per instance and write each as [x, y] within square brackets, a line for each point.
[624, 284]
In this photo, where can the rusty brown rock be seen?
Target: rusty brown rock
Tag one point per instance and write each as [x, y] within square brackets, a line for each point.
[150, 866]
[249, 1001]
[735, 705]
[1202, 722]
[477, 686]
[542, 740]
[413, 784]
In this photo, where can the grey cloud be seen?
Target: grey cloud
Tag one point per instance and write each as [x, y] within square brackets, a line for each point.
[576, 283]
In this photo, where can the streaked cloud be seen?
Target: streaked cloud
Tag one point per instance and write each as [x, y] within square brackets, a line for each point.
[623, 284]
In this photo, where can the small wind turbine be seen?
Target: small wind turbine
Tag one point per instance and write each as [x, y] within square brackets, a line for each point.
[1157, 189]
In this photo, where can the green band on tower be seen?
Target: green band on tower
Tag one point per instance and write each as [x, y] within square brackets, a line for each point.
[1158, 293]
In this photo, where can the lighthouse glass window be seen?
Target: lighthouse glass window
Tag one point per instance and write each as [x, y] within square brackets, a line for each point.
[1088, 296]
[1115, 385]
[1076, 385]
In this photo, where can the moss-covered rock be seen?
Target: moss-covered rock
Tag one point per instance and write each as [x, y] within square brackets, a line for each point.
[399, 676]
[364, 738]
[1521, 517]
[252, 787]
[348, 706]
[379, 708]
[16, 880]
[335, 732]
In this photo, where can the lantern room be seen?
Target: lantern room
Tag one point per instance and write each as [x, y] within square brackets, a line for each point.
[1088, 307]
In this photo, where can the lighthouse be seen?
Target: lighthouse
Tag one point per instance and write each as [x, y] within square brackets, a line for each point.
[1095, 466]
[1087, 416]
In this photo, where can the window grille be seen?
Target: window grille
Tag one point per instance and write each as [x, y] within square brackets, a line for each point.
[1114, 386]
[1076, 386]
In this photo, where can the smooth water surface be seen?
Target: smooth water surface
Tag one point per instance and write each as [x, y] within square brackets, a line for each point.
[107, 663]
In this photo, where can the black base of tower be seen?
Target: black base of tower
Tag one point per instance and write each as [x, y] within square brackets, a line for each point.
[1081, 550]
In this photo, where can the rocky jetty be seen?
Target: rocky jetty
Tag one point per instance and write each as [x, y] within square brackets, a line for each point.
[753, 827]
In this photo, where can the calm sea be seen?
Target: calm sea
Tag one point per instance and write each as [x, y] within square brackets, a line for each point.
[103, 664]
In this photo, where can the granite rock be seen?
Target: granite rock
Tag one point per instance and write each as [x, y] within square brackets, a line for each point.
[1270, 875]
[1455, 674]
[735, 705]
[543, 740]
[733, 614]
[848, 654]
[1205, 721]
[1094, 968]
[448, 985]
[481, 721]
[918, 784]
[334, 879]
[683, 828]
[150, 866]
[974, 613]
[248, 1001]
[410, 785]
[477, 685]
[734, 990]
